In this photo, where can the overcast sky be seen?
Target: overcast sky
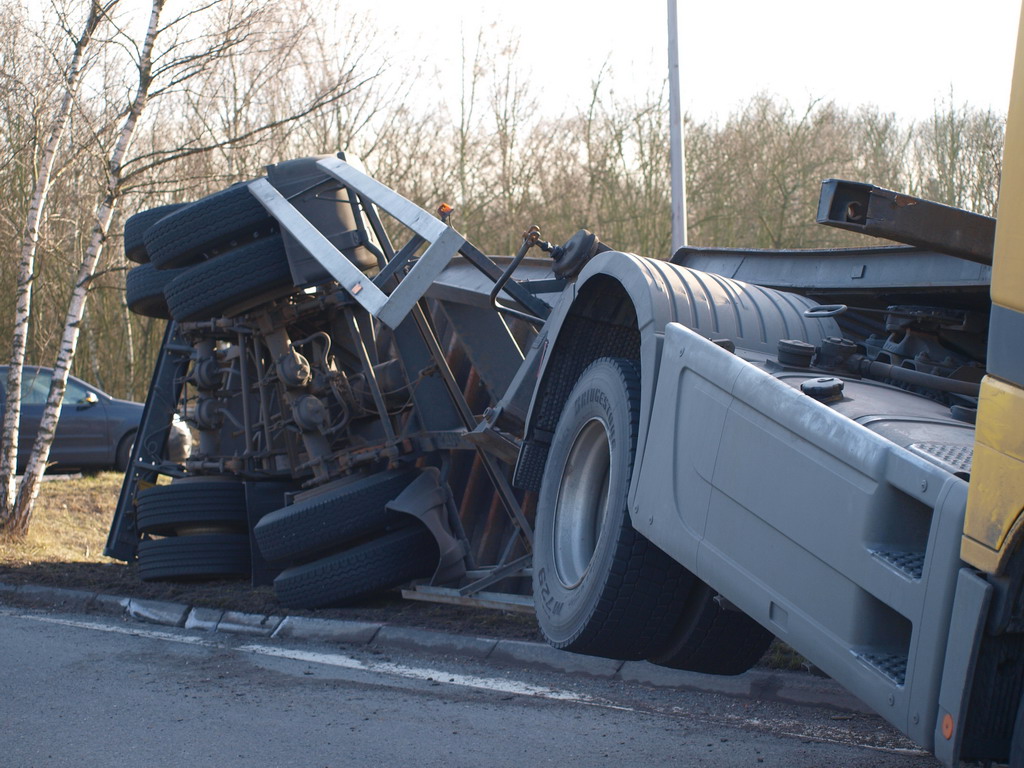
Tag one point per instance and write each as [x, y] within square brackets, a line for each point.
[903, 55]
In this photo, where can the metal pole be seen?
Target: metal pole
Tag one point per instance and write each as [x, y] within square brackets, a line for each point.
[677, 149]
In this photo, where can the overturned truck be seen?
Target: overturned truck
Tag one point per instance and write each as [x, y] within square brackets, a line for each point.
[666, 460]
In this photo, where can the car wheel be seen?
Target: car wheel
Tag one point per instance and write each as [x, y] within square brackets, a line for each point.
[194, 558]
[123, 455]
[713, 638]
[144, 290]
[354, 574]
[600, 588]
[206, 504]
[135, 230]
[208, 227]
[325, 522]
[245, 276]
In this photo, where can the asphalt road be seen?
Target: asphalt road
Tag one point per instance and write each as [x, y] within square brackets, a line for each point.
[92, 691]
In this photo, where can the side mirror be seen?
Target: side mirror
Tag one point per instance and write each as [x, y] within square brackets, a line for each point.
[88, 401]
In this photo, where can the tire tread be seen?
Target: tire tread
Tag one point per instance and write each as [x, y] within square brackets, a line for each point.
[212, 288]
[643, 589]
[323, 523]
[192, 558]
[210, 226]
[356, 573]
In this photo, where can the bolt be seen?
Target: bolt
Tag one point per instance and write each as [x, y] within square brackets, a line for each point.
[916, 718]
[892, 700]
[924, 486]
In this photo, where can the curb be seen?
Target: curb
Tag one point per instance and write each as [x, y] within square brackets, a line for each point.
[766, 685]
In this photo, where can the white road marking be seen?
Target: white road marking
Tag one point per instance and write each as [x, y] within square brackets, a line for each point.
[426, 674]
[495, 684]
[782, 727]
[153, 634]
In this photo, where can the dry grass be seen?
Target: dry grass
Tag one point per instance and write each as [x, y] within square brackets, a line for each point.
[69, 524]
[69, 529]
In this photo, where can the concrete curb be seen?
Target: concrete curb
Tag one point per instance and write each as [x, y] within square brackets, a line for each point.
[767, 685]
[327, 630]
[158, 612]
[239, 623]
[432, 641]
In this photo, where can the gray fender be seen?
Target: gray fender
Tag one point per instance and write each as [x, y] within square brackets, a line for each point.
[620, 306]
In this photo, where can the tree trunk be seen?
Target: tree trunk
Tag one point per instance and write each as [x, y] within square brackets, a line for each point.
[21, 515]
[26, 264]
[129, 341]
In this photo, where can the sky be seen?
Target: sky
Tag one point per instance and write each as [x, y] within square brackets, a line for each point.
[901, 55]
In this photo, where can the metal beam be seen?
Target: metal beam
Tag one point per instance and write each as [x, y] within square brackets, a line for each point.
[879, 212]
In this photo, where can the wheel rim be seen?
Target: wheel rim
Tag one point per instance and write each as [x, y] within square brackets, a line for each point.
[582, 503]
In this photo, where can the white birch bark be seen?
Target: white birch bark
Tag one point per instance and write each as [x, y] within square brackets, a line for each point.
[26, 263]
[20, 517]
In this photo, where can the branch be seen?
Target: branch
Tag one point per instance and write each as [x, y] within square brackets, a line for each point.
[166, 156]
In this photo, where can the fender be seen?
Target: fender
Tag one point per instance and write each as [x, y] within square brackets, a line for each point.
[620, 306]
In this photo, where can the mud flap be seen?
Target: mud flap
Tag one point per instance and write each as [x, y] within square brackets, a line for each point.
[426, 499]
[967, 624]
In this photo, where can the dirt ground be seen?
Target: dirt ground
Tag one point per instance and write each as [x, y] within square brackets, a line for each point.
[68, 533]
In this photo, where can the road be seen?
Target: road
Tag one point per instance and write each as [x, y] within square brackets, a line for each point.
[93, 691]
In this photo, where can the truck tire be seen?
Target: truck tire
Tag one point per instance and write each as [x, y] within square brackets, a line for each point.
[144, 290]
[196, 503]
[194, 558]
[346, 577]
[712, 638]
[208, 227]
[242, 277]
[600, 588]
[322, 523]
[135, 230]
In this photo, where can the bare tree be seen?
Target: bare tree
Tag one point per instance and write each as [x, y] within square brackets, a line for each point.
[76, 66]
[959, 156]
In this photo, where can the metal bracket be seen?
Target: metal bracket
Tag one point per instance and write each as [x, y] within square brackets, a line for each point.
[147, 455]
[425, 499]
[391, 309]
[444, 241]
[881, 212]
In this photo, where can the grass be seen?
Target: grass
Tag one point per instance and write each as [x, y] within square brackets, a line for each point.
[70, 522]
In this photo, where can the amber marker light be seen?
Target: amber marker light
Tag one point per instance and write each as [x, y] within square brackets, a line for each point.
[947, 726]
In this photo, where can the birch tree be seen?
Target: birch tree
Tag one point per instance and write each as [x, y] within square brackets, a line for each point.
[17, 521]
[97, 13]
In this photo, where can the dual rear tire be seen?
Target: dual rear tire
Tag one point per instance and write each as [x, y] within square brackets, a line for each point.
[195, 529]
[175, 244]
[344, 545]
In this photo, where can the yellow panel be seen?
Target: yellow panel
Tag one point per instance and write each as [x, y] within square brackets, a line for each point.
[1001, 418]
[996, 499]
[1008, 271]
